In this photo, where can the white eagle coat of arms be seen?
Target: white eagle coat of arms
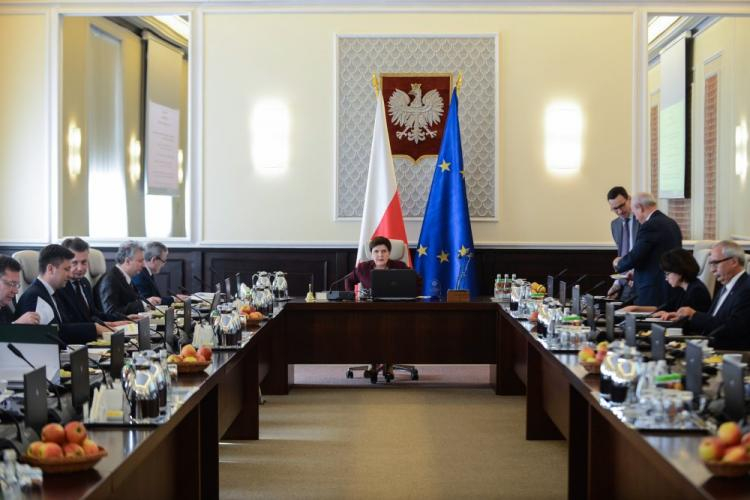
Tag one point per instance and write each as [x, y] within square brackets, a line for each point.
[417, 115]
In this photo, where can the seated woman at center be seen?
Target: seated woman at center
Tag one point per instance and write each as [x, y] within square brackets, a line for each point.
[681, 272]
[380, 249]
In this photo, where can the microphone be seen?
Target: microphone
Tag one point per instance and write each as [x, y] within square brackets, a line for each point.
[351, 273]
[596, 287]
[629, 301]
[338, 295]
[561, 273]
[659, 308]
[96, 364]
[102, 323]
[191, 297]
[52, 386]
[580, 279]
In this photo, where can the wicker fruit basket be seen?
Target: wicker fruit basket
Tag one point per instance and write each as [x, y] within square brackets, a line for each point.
[253, 322]
[65, 465]
[728, 469]
[591, 366]
[192, 367]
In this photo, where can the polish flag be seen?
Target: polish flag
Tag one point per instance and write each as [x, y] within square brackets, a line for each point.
[382, 214]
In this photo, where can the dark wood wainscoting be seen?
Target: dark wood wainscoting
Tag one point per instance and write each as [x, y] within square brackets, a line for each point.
[200, 268]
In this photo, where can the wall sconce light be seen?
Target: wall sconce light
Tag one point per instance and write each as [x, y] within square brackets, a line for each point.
[134, 168]
[269, 135]
[740, 150]
[563, 137]
[180, 167]
[74, 151]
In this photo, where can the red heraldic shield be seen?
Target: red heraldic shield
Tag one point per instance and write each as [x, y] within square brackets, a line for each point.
[416, 107]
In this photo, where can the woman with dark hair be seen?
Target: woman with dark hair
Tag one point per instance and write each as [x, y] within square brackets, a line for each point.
[681, 272]
[380, 249]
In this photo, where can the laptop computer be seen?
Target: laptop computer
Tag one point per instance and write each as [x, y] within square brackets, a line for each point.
[394, 284]
[37, 343]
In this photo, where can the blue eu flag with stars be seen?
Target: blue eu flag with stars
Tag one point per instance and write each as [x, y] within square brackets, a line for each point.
[446, 248]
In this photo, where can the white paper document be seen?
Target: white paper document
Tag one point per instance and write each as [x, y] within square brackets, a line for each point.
[45, 312]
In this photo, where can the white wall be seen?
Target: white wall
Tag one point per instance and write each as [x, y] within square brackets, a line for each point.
[543, 58]
[24, 126]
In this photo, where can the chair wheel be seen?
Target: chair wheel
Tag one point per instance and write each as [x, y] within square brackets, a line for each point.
[388, 378]
[349, 374]
[415, 375]
[374, 378]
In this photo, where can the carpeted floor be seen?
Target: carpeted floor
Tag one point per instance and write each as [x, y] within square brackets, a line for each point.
[393, 441]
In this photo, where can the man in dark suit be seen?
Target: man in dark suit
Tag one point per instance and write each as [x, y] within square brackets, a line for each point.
[77, 296]
[728, 321]
[155, 257]
[657, 235]
[116, 292]
[54, 271]
[10, 283]
[624, 231]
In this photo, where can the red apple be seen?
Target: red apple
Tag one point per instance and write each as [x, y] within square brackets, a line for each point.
[711, 449]
[206, 352]
[735, 454]
[75, 432]
[73, 450]
[188, 350]
[53, 433]
[90, 447]
[729, 433]
[51, 450]
[600, 355]
[35, 449]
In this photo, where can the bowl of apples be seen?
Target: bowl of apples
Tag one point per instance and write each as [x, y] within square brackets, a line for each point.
[252, 317]
[591, 358]
[726, 454]
[64, 449]
[191, 360]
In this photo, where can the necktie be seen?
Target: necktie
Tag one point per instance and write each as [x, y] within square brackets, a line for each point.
[81, 297]
[57, 310]
[626, 236]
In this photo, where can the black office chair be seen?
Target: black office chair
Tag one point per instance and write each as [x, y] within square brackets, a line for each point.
[372, 373]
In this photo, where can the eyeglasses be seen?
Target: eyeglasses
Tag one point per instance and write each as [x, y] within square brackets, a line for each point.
[714, 263]
[11, 284]
[160, 260]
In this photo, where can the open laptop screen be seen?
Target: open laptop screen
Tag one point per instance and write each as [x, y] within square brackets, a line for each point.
[394, 284]
[37, 343]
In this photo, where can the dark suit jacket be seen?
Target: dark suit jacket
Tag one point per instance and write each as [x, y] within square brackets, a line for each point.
[362, 273]
[71, 332]
[6, 315]
[146, 286]
[116, 296]
[656, 236]
[696, 296]
[75, 309]
[734, 316]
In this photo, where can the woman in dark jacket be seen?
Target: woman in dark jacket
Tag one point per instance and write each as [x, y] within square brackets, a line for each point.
[681, 272]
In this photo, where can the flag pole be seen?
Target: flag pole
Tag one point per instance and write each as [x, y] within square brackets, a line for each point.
[459, 82]
[375, 82]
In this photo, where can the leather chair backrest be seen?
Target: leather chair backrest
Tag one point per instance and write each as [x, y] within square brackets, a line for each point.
[97, 266]
[703, 245]
[704, 274]
[399, 251]
[29, 260]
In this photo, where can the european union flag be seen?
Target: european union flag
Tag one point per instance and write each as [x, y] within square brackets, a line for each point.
[446, 247]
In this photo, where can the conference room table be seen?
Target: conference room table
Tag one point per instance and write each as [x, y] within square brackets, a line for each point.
[179, 458]
[606, 458]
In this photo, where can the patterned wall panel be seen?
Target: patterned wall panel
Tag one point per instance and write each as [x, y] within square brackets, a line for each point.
[358, 57]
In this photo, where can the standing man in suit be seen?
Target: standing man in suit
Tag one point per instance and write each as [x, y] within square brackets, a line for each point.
[155, 256]
[54, 271]
[10, 283]
[624, 231]
[77, 295]
[728, 321]
[657, 235]
[117, 294]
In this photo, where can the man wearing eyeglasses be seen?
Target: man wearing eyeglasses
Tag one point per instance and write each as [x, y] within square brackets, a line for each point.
[624, 231]
[155, 256]
[657, 235]
[10, 283]
[728, 321]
